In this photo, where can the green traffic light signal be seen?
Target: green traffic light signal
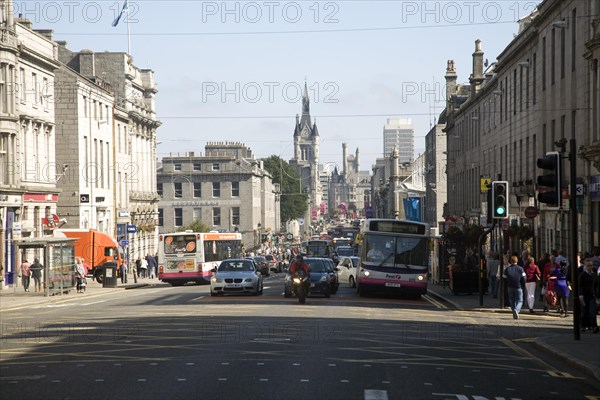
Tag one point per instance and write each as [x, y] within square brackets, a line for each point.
[499, 202]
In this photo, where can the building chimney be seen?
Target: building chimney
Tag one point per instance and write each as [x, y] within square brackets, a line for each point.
[450, 83]
[476, 77]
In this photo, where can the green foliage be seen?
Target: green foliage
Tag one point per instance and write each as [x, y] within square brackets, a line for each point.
[196, 226]
[294, 203]
[472, 234]
[454, 235]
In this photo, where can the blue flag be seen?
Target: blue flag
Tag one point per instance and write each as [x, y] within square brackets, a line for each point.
[123, 11]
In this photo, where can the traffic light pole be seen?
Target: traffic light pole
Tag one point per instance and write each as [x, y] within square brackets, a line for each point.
[574, 239]
[482, 260]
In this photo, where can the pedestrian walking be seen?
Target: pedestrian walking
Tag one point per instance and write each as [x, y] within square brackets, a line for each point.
[36, 273]
[493, 266]
[81, 272]
[532, 277]
[24, 273]
[151, 266]
[514, 279]
[123, 271]
[562, 288]
[144, 268]
[587, 297]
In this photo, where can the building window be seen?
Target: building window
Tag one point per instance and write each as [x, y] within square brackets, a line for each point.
[197, 214]
[235, 189]
[177, 166]
[179, 217]
[178, 187]
[197, 189]
[159, 189]
[544, 63]
[161, 217]
[552, 56]
[216, 216]
[216, 167]
[235, 216]
[197, 166]
[216, 192]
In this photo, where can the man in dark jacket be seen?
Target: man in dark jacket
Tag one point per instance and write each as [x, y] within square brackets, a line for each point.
[514, 279]
[587, 297]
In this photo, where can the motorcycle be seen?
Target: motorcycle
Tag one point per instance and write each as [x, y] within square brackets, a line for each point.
[299, 281]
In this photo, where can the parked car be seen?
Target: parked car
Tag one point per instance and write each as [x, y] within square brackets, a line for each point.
[274, 263]
[236, 276]
[323, 278]
[262, 263]
[347, 270]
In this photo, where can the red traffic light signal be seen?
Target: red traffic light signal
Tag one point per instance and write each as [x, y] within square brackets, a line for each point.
[551, 180]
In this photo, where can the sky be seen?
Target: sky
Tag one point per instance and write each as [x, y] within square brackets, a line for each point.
[234, 71]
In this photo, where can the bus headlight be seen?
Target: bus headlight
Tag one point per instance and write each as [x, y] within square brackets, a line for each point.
[366, 273]
[420, 277]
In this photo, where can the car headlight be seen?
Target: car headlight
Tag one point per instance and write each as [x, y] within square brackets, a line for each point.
[323, 278]
[250, 280]
[216, 280]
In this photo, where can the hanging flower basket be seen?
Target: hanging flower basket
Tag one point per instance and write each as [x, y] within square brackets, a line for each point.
[525, 233]
[454, 235]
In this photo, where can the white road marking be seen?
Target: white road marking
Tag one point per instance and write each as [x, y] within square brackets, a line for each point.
[428, 384]
[366, 365]
[224, 363]
[22, 378]
[141, 380]
[153, 364]
[260, 363]
[55, 380]
[181, 379]
[263, 380]
[332, 365]
[99, 380]
[197, 298]
[117, 364]
[222, 379]
[304, 380]
[295, 364]
[189, 363]
[372, 394]
[344, 381]
[44, 366]
[385, 382]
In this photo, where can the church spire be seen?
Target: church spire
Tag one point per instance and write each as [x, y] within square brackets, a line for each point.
[305, 101]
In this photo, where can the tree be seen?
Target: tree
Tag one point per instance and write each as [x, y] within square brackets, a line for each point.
[196, 226]
[294, 203]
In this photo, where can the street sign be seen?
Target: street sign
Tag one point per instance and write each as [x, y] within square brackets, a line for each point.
[300, 221]
[124, 242]
[579, 189]
[131, 229]
[485, 184]
[84, 198]
[531, 212]
[289, 236]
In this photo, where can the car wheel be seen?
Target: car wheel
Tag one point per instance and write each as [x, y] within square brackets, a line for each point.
[212, 293]
[352, 281]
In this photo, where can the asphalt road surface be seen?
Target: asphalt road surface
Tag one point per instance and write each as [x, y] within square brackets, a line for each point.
[161, 342]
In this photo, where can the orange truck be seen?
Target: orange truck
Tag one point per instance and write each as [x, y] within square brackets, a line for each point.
[96, 248]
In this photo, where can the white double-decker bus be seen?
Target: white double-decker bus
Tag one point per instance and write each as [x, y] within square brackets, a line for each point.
[190, 257]
[394, 257]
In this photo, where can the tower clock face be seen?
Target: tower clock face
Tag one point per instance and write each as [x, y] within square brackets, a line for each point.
[304, 132]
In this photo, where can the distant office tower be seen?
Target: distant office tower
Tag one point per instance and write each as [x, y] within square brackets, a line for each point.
[399, 132]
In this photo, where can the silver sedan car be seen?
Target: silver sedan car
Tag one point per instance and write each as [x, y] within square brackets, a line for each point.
[236, 276]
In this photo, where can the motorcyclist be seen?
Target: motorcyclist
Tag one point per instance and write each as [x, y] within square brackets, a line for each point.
[299, 263]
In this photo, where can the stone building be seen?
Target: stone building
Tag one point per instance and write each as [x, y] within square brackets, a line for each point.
[436, 182]
[28, 174]
[112, 124]
[349, 186]
[226, 189]
[542, 88]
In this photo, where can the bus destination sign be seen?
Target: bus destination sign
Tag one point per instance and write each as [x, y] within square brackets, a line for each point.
[397, 227]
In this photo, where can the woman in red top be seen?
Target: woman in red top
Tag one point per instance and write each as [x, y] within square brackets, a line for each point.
[548, 270]
[532, 276]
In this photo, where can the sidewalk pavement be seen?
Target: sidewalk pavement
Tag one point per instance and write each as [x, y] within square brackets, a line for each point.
[583, 354]
[15, 297]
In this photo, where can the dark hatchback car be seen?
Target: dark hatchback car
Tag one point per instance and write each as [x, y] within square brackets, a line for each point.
[323, 277]
[262, 263]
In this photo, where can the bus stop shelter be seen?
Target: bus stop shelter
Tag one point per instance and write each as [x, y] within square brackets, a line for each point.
[58, 259]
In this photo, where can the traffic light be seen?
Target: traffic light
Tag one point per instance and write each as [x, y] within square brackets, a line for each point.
[500, 200]
[550, 179]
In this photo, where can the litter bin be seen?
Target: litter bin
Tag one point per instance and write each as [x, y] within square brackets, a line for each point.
[109, 275]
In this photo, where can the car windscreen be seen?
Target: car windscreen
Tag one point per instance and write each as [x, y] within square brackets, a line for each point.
[236, 266]
[316, 266]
